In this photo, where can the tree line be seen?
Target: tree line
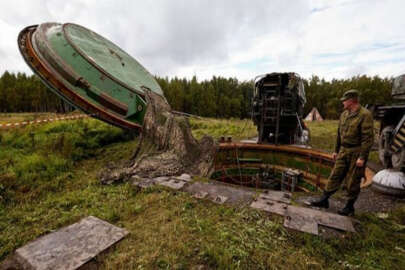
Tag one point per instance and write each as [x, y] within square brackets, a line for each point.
[22, 93]
[218, 97]
[227, 97]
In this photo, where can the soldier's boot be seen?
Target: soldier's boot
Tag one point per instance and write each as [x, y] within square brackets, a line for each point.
[323, 201]
[348, 210]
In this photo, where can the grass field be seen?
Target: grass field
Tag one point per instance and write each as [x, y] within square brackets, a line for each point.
[21, 117]
[48, 179]
[323, 134]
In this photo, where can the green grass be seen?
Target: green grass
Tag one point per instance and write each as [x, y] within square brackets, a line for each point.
[323, 134]
[236, 128]
[48, 179]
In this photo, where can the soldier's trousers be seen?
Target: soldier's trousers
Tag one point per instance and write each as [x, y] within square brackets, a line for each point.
[345, 169]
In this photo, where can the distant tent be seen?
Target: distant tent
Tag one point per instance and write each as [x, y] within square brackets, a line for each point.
[314, 115]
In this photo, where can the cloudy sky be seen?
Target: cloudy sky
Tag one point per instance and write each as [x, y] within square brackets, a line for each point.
[232, 38]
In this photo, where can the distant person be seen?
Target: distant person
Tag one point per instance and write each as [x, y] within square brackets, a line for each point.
[355, 138]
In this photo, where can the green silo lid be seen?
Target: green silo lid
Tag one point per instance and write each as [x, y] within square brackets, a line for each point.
[109, 58]
[89, 71]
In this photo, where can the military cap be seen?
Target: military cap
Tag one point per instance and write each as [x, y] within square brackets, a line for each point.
[350, 94]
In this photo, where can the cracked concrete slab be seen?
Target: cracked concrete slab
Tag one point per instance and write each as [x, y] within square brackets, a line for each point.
[268, 205]
[143, 182]
[200, 195]
[298, 215]
[220, 199]
[161, 178]
[214, 190]
[301, 223]
[278, 196]
[173, 184]
[184, 177]
[70, 247]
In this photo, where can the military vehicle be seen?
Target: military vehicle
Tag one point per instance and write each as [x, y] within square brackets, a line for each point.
[89, 72]
[391, 147]
[392, 127]
[278, 102]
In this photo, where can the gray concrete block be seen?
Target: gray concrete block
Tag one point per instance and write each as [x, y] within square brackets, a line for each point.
[71, 246]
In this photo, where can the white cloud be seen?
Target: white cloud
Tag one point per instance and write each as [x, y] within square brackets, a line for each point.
[332, 39]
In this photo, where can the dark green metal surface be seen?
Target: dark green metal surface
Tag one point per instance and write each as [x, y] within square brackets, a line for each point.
[89, 71]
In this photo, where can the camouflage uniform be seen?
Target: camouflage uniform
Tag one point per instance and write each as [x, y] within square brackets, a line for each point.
[354, 140]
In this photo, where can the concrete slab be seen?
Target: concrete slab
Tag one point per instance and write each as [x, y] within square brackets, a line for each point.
[173, 184]
[72, 246]
[234, 195]
[301, 223]
[143, 182]
[161, 179]
[220, 199]
[268, 205]
[200, 195]
[278, 196]
[320, 217]
[184, 177]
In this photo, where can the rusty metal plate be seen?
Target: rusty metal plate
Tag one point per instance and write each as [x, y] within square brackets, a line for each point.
[234, 195]
[72, 246]
[323, 218]
[270, 206]
[301, 223]
[279, 196]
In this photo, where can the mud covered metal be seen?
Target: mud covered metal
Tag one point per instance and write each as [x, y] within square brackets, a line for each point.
[89, 72]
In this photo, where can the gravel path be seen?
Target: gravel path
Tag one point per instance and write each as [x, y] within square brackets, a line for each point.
[368, 201]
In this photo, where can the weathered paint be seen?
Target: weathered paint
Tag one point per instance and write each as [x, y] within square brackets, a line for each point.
[89, 72]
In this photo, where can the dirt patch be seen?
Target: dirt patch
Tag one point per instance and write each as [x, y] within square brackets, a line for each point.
[372, 201]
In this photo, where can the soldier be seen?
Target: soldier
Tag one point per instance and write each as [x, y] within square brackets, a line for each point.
[353, 144]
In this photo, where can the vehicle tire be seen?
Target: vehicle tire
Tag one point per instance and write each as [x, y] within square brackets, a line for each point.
[397, 159]
[383, 157]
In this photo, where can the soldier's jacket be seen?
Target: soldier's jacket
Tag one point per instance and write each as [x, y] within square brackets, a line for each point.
[356, 130]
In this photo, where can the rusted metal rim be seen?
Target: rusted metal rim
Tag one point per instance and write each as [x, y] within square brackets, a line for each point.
[45, 73]
[309, 178]
[48, 56]
[99, 68]
[308, 153]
